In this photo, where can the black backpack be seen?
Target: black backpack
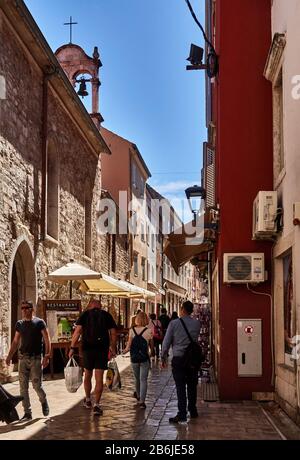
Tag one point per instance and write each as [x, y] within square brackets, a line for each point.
[193, 355]
[95, 332]
[139, 348]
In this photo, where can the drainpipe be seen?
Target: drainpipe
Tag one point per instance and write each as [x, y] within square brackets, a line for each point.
[48, 73]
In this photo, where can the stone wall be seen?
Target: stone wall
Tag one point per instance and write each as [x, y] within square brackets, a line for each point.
[21, 182]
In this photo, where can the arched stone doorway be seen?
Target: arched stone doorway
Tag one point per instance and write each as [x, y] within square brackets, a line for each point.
[23, 282]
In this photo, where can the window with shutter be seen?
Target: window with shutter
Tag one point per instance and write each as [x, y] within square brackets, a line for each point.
[209, 175]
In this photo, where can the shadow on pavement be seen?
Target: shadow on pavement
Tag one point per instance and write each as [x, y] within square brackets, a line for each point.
[17, 426]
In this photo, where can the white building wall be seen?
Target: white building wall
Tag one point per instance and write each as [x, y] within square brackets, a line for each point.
[285, 20]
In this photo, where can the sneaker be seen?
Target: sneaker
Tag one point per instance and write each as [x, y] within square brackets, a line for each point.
[136, 396]
[194, 413]
[45, 408]
[97, 410]
[87, 404]
[26, 417]
[143, 405]
[178, 419]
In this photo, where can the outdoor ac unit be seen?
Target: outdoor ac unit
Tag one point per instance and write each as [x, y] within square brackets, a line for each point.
[264, 215]
[244, 268]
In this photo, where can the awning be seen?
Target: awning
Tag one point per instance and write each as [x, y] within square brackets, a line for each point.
[107, 285]
[181, 248]
[137, 292]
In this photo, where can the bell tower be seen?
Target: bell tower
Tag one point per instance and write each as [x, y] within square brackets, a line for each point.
[77, 64]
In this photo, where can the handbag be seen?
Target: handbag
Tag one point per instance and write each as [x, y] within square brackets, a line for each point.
[73, 376]
[193, 355]
[113, 377]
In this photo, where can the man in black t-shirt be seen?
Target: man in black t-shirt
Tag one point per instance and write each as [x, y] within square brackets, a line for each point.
[98, 332]
[30, 333]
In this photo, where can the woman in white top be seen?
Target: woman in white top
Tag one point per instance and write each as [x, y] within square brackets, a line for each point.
[140, 338]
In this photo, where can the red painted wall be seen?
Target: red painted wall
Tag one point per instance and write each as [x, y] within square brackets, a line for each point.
[243, 114]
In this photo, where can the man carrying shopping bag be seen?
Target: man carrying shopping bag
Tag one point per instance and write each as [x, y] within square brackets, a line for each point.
[99, 334]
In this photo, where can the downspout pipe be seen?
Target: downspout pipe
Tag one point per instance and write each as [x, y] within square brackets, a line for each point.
[47, 74]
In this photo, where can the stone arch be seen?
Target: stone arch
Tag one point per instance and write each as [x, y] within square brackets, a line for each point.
[82, 71]
[22, 280]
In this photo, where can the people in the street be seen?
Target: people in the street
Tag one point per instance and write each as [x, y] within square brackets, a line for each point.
[157, 332]
[99, 336]
[185, 379]
[174, 315]
[139, 341]
[164, 319]
[30, 334]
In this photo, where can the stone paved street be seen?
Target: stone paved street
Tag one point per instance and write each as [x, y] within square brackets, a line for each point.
[123, 420]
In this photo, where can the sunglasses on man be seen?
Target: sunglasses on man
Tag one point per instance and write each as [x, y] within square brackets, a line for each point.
[26, 308]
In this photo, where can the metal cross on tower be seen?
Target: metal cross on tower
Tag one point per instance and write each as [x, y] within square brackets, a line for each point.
[70, 24]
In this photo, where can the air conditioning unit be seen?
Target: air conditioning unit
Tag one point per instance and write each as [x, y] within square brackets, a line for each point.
[264, 215]
[244, 268]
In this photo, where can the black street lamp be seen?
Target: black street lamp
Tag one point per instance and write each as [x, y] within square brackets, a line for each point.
[194, 195]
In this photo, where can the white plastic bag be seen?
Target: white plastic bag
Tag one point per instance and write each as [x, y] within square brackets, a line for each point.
[3, 347]
[73, 376]
[113, 378]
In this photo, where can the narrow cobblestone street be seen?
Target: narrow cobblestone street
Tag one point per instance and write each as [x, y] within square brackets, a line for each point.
[124, 420]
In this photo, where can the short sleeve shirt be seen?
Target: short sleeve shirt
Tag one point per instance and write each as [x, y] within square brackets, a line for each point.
[31, 335]
[104, 321]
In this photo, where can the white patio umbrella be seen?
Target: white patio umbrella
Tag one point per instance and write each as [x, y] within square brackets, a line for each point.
[72, 271]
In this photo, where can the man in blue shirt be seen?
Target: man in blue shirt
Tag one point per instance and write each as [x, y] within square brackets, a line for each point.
[185, 379]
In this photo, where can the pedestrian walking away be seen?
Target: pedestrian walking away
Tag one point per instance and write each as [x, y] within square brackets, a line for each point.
[99, 336]
[157, 332]
[30, 334]
[174, 315]
[139, 341]
[165, 320]
[186, 378]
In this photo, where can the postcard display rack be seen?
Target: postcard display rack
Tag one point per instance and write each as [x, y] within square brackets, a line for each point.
[202, 312]
[60, 317]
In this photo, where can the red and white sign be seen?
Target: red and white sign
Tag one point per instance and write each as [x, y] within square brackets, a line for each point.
[249, 329]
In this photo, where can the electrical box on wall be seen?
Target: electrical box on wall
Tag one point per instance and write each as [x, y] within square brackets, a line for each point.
[249, 347]
[264, 215]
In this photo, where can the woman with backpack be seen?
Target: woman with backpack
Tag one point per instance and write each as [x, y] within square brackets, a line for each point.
[140, 338]
[157, 332]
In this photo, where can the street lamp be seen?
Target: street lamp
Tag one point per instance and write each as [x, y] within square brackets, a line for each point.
[194, 196]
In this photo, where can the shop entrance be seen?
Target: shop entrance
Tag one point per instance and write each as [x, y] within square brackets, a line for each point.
[23, 284]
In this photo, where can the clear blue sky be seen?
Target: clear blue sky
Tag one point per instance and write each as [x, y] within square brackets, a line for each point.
[146, 95]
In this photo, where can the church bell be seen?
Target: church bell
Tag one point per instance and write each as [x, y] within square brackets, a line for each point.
[82, 89]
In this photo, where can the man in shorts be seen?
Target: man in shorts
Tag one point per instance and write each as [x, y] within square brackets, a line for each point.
[97, 329]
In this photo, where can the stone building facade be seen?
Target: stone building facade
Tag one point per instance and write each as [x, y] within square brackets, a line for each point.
[282, 71]
[50, 173]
